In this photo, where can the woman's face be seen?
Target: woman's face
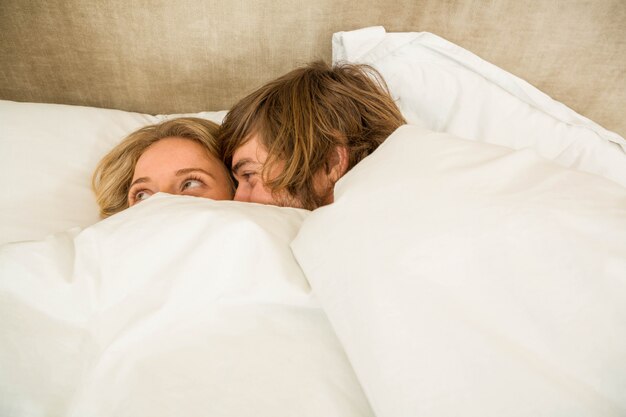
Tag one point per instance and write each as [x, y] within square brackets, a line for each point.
[177, 165]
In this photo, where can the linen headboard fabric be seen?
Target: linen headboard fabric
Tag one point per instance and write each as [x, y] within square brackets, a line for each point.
[192, 55]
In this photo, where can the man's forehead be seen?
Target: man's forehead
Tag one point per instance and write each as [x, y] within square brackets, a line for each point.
[250, 152]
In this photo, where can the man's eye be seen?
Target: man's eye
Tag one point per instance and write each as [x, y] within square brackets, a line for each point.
[247, 175]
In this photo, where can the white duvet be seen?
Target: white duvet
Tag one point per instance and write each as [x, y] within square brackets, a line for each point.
[178, 306]
[466, 279]
[453, 278]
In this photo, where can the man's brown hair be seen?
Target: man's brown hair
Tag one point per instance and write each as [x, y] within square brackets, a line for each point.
[301, 117]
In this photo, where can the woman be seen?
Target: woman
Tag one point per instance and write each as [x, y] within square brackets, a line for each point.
[178, 156]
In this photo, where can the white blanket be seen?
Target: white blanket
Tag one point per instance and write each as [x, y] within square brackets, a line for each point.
[470, 279]
[177, 306]
[459, 278]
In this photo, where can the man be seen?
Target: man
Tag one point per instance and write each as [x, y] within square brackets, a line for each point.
[291, 140]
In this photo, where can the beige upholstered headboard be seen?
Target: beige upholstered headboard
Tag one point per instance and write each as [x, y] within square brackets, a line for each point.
[175, 56]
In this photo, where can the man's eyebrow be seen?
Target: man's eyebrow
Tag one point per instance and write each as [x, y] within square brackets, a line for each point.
[188, 170]
[140, 180]
[240, 164]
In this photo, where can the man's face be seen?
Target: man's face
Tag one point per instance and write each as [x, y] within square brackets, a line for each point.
[247, 167]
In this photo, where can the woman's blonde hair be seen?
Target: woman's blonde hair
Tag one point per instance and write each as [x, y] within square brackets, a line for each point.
[112, 178]
[301, 117]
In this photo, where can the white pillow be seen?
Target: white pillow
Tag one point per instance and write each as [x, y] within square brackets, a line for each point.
[444, 87]
[47, 155]
[176, 306]
[469, 279]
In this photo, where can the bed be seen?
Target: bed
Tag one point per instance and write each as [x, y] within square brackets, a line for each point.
[474, 264]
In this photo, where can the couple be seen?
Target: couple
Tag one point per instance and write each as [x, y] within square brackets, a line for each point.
[286, 144]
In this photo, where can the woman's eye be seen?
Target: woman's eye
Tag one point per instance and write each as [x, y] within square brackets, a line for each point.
[141, 195]
[191, 184]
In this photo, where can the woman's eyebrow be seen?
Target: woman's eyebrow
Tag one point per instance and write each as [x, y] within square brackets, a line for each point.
[188, 170]
[140, 180]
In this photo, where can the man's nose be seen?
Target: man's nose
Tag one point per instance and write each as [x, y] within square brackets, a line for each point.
[242, 195]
